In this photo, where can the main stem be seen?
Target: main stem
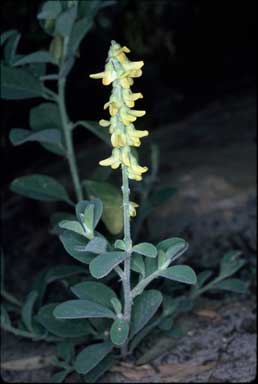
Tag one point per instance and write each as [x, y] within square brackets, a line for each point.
[128, 250]
[68, 139]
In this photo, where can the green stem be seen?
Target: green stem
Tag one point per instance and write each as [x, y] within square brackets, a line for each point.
[127, 263]
[68, 139]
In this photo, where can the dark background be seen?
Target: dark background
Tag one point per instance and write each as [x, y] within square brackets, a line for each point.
[194, 52]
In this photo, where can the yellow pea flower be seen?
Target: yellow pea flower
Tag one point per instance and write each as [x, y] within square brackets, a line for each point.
[113, 161]
[108, 76]
[132, 208]
[129, 97]
[118, 139]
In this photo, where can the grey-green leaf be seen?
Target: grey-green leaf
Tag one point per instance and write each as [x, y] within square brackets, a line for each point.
[94, 291]
[82, 206]
[173, 247]
[230, 264]
[67, 328]
[232, 285]
[100, 369]
[40, 187]
[181, 273]
[65, 21]
[73, 226]
[76, 245]
[35, 57]
[145, 249]
[47, 116]
[18, 84]
[50, 10]
[145, 306]
[48, 136]
[27, 309]
[119, 332]
[79, 309]
[80, 29]
[104, 263]
[137, 264]
[90, 357]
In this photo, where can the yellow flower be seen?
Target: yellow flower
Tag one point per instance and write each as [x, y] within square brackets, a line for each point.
[129, 97]
[113, 161]
[135, 170]
[134, 135]
[113, 107]
[132, 210]
[126, 82]
[119, 53]
[104, 123]
[118, 139]
[133, 66]
[108, 76]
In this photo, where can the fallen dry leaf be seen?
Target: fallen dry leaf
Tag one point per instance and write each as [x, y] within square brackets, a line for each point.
[28, 363]
[173, 371]
[209, 313]
[133, 372]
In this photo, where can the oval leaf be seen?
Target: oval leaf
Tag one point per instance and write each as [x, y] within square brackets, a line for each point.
[40, 187]
[76, 246]
[119, 332]
[17, 84]
[84, 212]
[79, 309]
[90, 356]
[49, 136]
[145, 249]
[181, 273]
[94, 291]
[173, 247]
[112, 203]
[104, 263]
[145, 306]
[232, 285]
[35, 57]
[62, 327]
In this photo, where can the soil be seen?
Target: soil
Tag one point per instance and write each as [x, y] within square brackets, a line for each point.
[214, 209]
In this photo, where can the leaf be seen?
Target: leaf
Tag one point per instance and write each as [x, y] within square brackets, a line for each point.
[98, 131]
[112, 203]
[100, 369]
[120, 244]
[137, 264]
[76, 245]
[97, 245]
[50, 275]
[48, 136]
[116, 304]
[27, 309]
[145, 249]
[173, 248]
[88, 219]
[202, 277]
[145, 306]
[65, 350]
[60, 376]
[62, 327]
[95, 291]
[150, 266]
[65, 21]
[50, 10]
[79, 309]
[11, 47]
[85, 207]
[35, 57]
[230, 264]
[74, 226]
[79, 30]
[47, 116]
[232, 285]
[5, 319]
[104, 263]
[90, 356]
[6, 35]
[181, 273]
[119, 332]
[40, 187]
[90, 9]
[19, 84]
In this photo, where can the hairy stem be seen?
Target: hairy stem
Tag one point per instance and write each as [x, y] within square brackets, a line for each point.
[68, 139]
[127, 264]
